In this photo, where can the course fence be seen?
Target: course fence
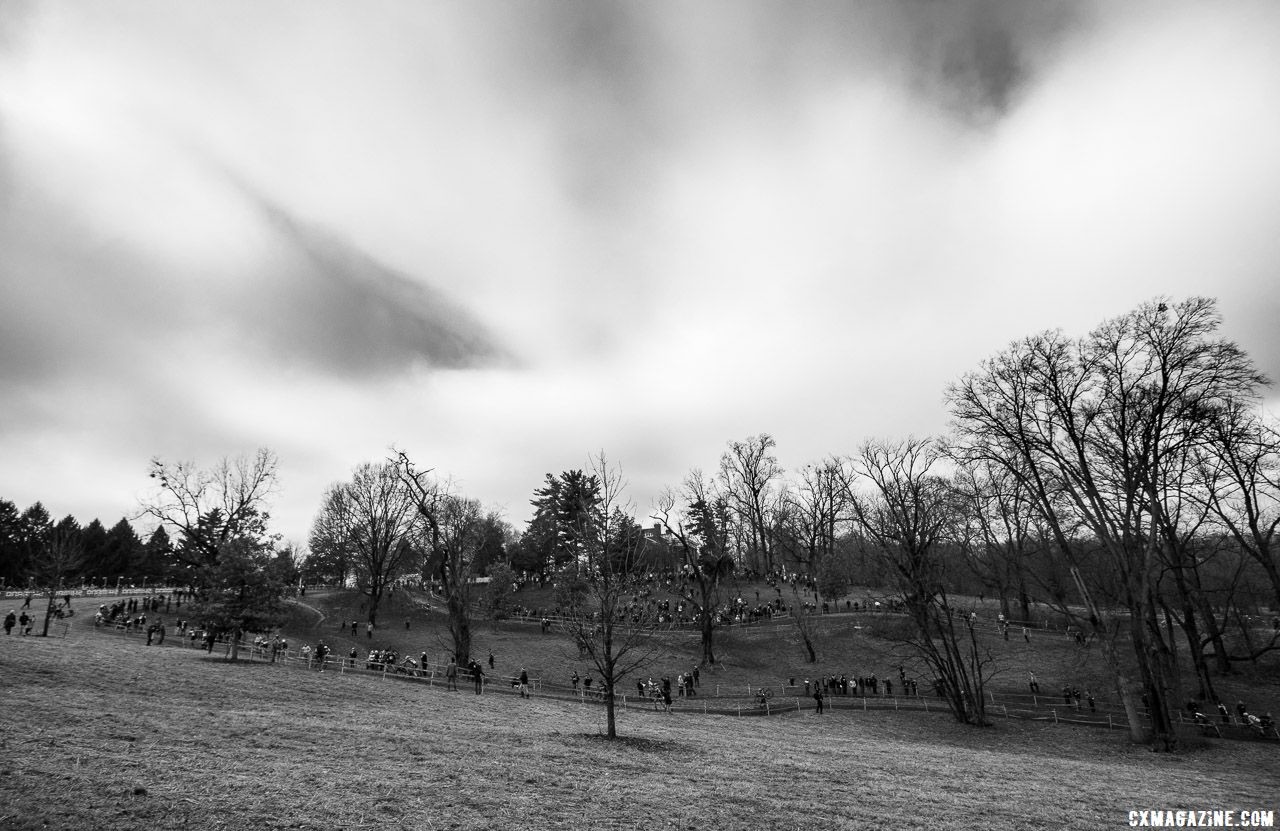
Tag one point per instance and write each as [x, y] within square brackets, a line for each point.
[709, 699]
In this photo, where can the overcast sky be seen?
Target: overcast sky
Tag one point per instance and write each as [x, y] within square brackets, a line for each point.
[503, 236]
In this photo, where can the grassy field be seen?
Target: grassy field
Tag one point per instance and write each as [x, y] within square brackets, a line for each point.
[101, 731]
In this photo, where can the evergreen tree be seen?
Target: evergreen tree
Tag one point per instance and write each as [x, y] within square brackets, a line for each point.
[563, 510]
[93, 541]
[240, 591]
[12, 552]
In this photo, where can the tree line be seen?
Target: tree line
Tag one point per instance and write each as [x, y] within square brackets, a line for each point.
[105, 555]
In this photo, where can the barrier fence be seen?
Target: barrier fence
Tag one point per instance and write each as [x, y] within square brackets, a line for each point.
[717, 699]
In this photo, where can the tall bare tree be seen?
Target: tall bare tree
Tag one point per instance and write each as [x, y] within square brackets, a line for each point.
[908, 512]
[206, 508]
[453, 530]
[1090, 427]
[371, 518]
[1243, 458]
[820, 510]
[1003, 531]
[748, 474]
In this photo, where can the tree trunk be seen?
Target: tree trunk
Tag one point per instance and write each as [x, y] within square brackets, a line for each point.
[1124, 688]
[708, 657]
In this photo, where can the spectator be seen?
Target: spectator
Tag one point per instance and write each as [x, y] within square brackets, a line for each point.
[451, 675]
[9, 621]
[817, 696]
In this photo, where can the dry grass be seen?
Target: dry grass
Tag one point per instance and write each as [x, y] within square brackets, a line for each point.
[102, 732]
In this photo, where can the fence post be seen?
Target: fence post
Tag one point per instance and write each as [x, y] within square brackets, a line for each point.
[797, 704]
[1055, 715]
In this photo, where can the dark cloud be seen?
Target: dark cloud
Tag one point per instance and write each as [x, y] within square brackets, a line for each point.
[328, 303]
[79, 303]
[625, 84]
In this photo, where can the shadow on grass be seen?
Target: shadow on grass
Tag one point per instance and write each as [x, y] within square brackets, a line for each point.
[631, 742]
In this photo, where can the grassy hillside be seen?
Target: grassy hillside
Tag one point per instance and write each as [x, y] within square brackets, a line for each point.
[101, 731]
[766, 654]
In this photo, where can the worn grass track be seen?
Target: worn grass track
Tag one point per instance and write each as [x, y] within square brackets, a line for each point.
[102, 732]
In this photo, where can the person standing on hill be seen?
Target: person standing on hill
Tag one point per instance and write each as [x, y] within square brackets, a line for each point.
[524, 683]
[354, 624]
[368, 628]
[478, 675]
[817, 696]
[9, 621]
[451, 675]
[24, 623]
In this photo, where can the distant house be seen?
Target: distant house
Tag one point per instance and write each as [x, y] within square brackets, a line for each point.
[661, 549]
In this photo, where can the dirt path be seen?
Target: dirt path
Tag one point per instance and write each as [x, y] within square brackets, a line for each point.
[320, 616]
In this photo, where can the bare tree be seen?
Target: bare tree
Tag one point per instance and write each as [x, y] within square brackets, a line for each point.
[453, 529]
[909, 512]
[1243, 458]
[1002, 516]
[614, 632]
[371, 518]
[820, 509]
[748, 471]
[59, 557]
[207, 508]
[702, 535]
[1090, 427]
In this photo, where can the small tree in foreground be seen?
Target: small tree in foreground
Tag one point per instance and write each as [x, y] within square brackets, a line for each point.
[59, 557]
[599, 597]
